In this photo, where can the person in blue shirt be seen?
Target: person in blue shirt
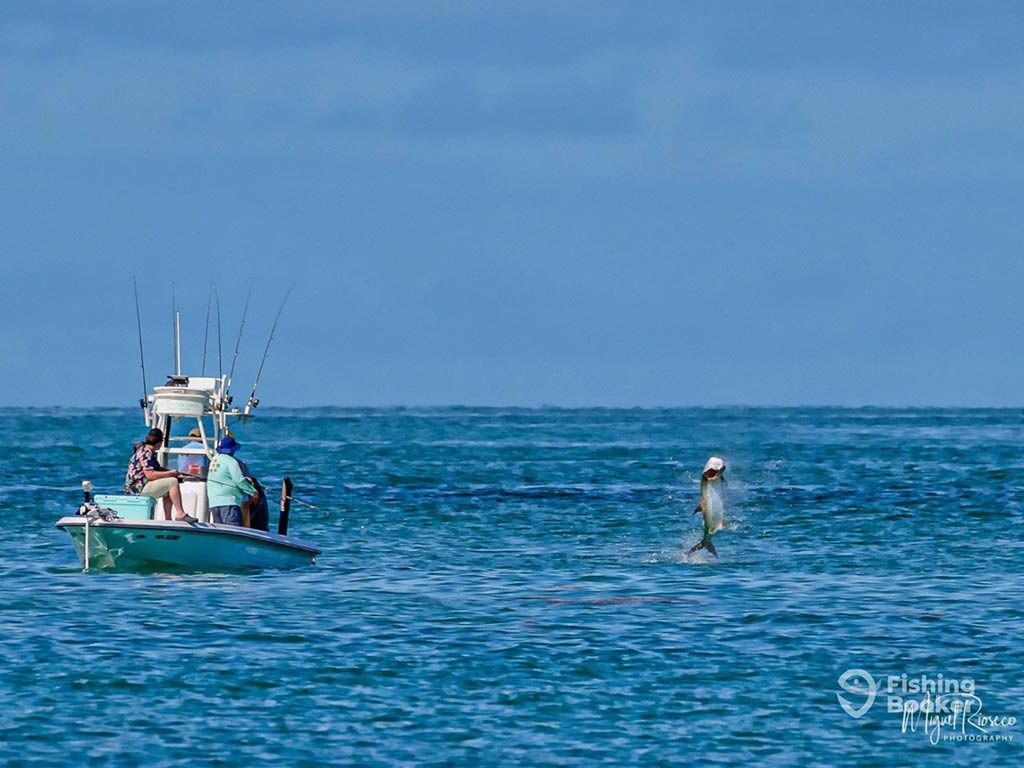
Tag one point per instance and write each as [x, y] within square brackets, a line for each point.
[226, 486]
[193, 463]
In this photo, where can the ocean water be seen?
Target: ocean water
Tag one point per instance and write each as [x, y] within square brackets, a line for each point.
[512, 587]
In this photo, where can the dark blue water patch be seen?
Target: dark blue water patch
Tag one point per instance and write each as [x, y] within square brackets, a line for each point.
[512, 586]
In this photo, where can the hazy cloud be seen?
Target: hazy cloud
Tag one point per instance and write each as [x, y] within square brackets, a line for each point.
[647, 111]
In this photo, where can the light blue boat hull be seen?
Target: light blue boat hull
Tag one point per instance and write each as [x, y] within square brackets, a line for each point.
[153, 544]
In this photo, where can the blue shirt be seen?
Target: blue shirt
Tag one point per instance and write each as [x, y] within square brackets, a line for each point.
[194, 460]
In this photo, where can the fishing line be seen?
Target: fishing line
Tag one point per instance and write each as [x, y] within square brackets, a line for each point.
[232, 485]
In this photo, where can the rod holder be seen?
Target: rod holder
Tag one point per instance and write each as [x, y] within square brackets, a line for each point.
[286, 502]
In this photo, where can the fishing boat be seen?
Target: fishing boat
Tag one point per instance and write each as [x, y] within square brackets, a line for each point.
[123, 532]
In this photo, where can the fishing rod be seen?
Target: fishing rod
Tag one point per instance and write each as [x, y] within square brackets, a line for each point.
[220, 351]
[206, 331]
[142, 356]
[303, 503]
[252, 402]
[289, 497]
[238, 342]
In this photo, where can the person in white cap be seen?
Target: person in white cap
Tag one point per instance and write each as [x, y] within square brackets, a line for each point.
[193, 463]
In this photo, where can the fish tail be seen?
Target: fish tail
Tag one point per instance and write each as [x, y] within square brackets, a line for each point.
[704, 543]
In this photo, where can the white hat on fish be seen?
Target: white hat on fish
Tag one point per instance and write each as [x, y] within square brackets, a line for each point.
[714, 463]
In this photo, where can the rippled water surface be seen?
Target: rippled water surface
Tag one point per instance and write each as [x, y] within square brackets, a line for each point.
[511, 587]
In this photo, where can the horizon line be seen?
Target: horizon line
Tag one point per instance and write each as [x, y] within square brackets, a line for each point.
[562, 407]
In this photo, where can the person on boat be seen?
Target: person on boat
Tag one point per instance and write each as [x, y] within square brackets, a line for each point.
[226, 486]
[145, 477]
[259, 509]
[193, 463]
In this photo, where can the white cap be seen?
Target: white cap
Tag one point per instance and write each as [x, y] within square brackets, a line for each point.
[714, 463]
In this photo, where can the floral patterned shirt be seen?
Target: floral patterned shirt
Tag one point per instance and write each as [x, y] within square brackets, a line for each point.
[144, 458]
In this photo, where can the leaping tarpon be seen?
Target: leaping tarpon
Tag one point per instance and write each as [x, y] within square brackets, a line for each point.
[712, 503]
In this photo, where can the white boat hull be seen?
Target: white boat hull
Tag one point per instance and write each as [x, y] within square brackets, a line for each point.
[155, 544]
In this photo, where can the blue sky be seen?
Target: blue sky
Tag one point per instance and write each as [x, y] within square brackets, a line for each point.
[529, 203]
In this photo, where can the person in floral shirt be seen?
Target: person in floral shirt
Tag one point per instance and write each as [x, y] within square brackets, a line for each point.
[145, 477]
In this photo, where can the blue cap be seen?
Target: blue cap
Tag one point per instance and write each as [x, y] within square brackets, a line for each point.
[228, 445]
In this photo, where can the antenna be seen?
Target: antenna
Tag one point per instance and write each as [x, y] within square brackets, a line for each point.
[253, 402]
[245, 311]
[177, 343]
[174, 328]
[142, 356]
[206, 332]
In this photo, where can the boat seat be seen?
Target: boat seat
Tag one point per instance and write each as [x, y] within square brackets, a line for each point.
[194, 499]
